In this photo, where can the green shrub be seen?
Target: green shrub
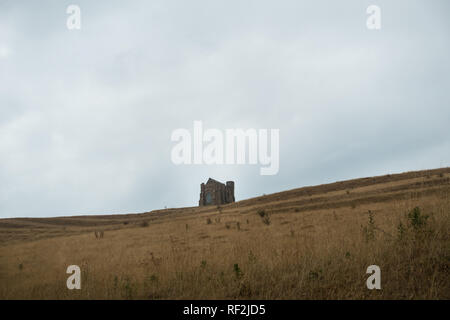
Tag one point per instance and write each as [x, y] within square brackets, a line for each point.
[416, 219]
[369, 230]
[237, 271]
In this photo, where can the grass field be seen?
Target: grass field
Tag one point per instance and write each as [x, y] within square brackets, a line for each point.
[308, 243]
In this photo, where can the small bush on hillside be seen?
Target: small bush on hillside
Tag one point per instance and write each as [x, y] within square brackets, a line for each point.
[416, 219]
[416, 226]
[144, 224]
[266, 220]
[261, 213]
[264, 216]
[369, 230]
[237, 271]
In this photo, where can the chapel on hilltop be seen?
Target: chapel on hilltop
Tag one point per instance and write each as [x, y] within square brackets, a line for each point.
[216, 193]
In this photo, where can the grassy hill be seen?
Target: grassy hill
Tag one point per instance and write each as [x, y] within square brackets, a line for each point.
[307, 243]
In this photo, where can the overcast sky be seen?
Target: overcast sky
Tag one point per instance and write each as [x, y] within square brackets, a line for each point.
[86, 115]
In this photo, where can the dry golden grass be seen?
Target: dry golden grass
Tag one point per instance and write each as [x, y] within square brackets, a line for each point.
[315, 244]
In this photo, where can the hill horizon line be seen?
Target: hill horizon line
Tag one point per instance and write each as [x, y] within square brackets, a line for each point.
[332, 186]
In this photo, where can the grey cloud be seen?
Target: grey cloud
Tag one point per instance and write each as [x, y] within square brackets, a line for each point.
[86, 116]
